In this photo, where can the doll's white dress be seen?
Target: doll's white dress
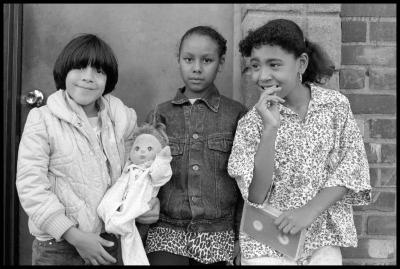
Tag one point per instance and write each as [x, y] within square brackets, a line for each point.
[128, 198]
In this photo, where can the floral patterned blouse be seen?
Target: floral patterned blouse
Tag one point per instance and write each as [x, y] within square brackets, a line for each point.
[324, 149]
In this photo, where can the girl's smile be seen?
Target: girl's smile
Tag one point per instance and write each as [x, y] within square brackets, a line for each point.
[274, 66]
[85, 86]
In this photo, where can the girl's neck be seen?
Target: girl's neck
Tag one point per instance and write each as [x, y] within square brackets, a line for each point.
[298, 99]
[194, 94]
[90, 110]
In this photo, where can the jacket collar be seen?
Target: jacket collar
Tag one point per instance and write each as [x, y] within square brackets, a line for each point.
[65, 108]
[212, 98]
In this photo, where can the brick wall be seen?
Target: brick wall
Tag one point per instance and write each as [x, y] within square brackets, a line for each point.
[361, 39]
[368, 78]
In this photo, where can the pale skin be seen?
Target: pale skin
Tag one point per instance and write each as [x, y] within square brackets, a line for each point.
[85, 86]
[276, 73]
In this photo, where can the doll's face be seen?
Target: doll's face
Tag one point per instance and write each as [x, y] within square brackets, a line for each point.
[145, 148]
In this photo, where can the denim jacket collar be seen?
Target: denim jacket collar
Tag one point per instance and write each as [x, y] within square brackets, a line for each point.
[211, 98]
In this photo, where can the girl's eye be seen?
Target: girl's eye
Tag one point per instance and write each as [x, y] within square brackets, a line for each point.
[136, 148]
[149, 148]
[100, 70]
[207, 60]
[188, 60]
[255, 66]
[275, 65]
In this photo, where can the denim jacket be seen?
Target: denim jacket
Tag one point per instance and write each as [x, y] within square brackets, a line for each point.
[201, 196]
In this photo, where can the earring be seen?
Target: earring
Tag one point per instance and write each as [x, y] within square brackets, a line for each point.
[300, 77]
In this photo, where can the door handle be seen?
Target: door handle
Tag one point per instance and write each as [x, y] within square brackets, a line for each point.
[34, 98]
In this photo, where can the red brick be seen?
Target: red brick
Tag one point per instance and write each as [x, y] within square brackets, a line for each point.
[388, 177]
[373, 151]
[368, 10]
[372, 104]
[351, 79]
[371, 248]
[354, 31]
[369, 55]
[382, 128]
[381, 201]
[381, 225]
[389, 153]
[380, 79]
[382, 31]
[373, 175]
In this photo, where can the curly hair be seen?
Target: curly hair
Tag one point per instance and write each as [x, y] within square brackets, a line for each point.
[289, 36]
[156, 129]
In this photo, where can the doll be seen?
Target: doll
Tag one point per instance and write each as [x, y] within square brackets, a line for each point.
[147, 169]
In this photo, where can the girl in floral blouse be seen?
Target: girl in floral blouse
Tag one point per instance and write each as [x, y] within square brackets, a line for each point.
[299, 148]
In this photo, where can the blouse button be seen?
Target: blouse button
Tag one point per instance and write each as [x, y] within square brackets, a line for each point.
[195, 136]
[195, 167]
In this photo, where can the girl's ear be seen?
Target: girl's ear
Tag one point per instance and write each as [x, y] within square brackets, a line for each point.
[221, 63]
[303, 61]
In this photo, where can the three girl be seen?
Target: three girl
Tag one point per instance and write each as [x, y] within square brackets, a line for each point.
[200, 207]
[71, 151]
[299, 148]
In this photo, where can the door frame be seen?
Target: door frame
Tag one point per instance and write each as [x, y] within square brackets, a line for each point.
[12, 51]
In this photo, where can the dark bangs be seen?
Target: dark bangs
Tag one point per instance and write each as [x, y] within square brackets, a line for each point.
[83, 51]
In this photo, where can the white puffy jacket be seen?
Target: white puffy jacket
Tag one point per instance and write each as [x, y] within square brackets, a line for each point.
[61, 170]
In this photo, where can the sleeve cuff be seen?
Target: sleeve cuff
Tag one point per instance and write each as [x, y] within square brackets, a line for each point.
[58, 226]
[357, 195]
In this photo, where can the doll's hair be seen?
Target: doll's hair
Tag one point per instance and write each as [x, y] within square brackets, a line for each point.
[155, 129]
[289, 36]
[84, 50]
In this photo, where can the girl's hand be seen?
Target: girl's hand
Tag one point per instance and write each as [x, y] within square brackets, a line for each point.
[152, 215]
[295, 220]
[267, 106]
[90, 246]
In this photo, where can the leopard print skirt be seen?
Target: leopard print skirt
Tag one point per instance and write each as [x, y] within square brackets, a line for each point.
[204, 247]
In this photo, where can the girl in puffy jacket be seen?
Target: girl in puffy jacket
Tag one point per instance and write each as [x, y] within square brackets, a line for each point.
[71, 151]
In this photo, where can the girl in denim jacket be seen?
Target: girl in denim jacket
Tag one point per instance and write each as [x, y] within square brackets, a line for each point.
[71, 151]
[200, 207]
[298, 149]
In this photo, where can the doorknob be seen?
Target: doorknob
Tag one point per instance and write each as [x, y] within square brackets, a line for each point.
[34, 98]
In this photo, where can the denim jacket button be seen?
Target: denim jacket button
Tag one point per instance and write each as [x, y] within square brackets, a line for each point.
[195, 167]
[195, 136]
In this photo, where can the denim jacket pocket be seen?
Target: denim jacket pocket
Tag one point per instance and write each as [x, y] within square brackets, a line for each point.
[168, 201]
[176, 146]
[220, 146]
[225, 194]
[220, 142]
